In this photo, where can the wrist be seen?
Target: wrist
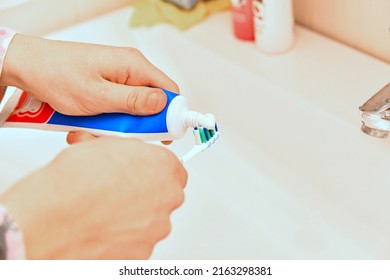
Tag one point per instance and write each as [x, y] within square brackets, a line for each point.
[12, 66]
[33, 207]
[6, 36]
[11, 238]
[16, 201]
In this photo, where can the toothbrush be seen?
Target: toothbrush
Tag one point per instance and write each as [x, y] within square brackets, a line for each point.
[204, 138]
[24, 111]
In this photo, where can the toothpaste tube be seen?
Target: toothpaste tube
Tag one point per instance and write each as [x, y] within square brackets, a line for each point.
[24, 111]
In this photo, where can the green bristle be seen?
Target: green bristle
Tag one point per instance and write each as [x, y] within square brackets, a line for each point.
[202, 136]
[212, 133]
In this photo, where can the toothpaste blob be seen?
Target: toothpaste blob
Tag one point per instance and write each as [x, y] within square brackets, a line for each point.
[24, 111]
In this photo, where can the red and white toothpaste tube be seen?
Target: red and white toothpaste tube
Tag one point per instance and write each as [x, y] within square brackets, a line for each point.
[24, 111]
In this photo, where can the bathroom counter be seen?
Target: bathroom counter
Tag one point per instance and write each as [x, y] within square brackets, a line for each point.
[292, 176]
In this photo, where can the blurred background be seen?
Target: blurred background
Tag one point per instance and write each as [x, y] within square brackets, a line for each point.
[362, 24]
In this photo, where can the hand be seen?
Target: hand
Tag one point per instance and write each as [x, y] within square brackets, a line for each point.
[108, 198]
[85, 79]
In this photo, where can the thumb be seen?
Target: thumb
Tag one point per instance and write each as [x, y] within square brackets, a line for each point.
[134, 100]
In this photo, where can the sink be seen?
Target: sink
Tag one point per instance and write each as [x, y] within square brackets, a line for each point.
[291, 177]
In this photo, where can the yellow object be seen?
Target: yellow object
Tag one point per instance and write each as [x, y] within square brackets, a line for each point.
[152, 12]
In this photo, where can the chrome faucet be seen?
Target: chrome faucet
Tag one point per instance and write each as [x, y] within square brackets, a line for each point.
[184, 4]
[375, 114]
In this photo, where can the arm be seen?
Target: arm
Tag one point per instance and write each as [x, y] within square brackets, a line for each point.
[105, 198]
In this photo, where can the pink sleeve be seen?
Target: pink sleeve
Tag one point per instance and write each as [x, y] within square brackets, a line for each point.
[6, 36]
[11, 238]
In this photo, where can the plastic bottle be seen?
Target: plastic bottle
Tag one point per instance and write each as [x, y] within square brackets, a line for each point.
[242, 14]
[273, 25]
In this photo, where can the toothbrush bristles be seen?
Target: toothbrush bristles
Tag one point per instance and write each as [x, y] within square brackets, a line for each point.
[204, 138]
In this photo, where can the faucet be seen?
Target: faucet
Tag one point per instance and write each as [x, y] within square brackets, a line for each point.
[375, 114]
[184, 4]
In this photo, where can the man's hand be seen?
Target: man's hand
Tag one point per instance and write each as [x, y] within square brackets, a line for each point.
[108, 198]
[85, 79]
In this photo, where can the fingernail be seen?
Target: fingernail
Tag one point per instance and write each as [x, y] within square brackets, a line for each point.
[70, 137]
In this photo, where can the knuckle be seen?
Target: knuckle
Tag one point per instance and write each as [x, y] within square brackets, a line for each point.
[146, 251]
[183, 175]
[132, 101]
[179, 200]
[165, 230]
[159, 228]
[93, 99]
[100, 90]
[174, 198]
[134, 53]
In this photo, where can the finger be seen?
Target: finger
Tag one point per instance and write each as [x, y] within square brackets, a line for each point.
[134, 100]
[154, 77]
[151, 76]
[143, 73]
[74, 137]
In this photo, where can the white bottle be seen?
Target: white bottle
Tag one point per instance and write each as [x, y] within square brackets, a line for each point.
[273, 25]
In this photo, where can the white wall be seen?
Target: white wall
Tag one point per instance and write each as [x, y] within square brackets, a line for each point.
[43, 16]
[362, 24]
